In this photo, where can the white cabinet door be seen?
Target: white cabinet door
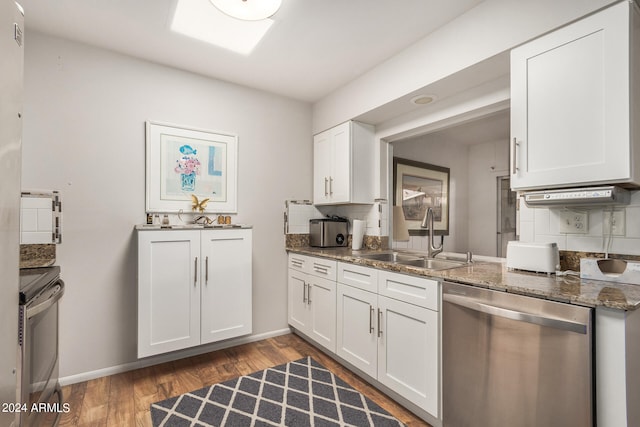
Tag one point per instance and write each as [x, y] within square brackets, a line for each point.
[298, 309]
[226, 309]
[322, 167]
[168, 291]
[357, 329]
[408, 352]
[340, 182]
[570, 104]
[321, 298]
[343, 161]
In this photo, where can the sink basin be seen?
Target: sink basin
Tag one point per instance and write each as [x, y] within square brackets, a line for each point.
[391, 257]
[434, 263]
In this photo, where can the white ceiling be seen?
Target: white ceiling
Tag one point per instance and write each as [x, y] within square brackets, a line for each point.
[488, 128]
[313, 48]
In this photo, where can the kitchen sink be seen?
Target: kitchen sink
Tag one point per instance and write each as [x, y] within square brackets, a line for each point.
[391, 257]
[415, 260]
[434, 263]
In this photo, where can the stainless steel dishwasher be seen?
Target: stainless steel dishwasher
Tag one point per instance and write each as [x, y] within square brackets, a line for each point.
[511, 360]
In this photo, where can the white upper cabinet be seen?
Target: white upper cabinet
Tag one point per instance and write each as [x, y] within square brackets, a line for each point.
[343, 164]
[573, 120]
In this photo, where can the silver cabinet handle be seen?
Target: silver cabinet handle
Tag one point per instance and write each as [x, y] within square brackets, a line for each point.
[309, 294]
[371, 311]
[516, 315]
[325, 186]
[296, 263]
[331, 185]
[195, 272]
[304, 293]
[379, 323]
[206, 270]
[514, 160]
[320, 269]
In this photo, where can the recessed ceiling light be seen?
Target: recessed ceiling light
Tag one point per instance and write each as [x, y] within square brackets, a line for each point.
[423, 99]
[199, 20]
[248, 10]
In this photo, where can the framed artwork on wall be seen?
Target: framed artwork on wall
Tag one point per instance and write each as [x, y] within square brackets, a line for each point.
[182, 162]
[418, 186]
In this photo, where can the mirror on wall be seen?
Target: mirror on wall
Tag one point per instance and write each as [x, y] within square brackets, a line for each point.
[482, 209]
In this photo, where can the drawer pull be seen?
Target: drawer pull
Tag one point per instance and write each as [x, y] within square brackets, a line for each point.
[304, 293]
[321, 269]
[195, 272]
[371, 311]
[379, 323]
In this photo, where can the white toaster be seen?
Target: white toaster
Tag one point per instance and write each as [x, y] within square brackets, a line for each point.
[538, 257]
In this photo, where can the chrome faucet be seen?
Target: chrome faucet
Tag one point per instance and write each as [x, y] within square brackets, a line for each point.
[427, 221]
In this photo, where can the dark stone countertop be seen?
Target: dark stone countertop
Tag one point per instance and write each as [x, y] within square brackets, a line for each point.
[495, 275]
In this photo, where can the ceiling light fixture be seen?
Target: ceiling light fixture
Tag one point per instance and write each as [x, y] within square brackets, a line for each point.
[248, 10]
[423, 99]
[199, 20]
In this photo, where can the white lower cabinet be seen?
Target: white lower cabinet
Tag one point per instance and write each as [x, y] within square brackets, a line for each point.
[388, 327]
[357, 328]
[408, 352]
[385, 324]
[312, 298]
[194, 287]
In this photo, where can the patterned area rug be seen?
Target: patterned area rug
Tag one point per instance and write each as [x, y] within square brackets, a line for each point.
[300, 393]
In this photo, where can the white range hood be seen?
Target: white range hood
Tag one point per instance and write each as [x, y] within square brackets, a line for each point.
[587, 196]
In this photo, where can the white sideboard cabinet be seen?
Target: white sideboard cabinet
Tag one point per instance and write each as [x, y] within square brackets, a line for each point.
[343, 164]
[573, 122]
[194, 287]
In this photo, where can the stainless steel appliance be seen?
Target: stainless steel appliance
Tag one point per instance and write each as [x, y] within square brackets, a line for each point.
[328, 232]
[511, 360]
[40, 291]
[11, 52]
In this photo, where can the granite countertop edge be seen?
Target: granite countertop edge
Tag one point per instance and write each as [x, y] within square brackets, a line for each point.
[495, 276]
[148, 227]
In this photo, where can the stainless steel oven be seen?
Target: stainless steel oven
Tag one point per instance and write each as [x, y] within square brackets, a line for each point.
[39, 394]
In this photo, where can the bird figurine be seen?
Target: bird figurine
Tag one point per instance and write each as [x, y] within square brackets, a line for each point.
[198, 205]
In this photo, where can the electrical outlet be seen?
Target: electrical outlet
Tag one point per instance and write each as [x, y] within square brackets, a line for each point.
[615, 224]
[573, 222]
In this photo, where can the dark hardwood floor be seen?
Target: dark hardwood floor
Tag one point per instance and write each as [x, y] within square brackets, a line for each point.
[124, 399]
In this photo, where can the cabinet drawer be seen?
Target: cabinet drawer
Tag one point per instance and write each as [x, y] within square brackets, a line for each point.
[321, 267]
[358, 276]
[414, 290]
[299, 262]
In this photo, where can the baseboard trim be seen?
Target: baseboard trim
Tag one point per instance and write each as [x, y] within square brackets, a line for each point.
[154, 360]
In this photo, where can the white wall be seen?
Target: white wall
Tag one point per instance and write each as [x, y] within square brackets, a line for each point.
[492, 27]
[84, 117]
[487, 162]
[453, 156]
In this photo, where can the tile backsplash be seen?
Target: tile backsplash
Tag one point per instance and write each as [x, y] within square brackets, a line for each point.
[36, 220]
[545, 225]
[298, 215]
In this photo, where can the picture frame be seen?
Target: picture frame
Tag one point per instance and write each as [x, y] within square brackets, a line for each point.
[183, 161]
[418, 186]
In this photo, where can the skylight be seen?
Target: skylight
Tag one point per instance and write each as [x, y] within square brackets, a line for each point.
[200, 20]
